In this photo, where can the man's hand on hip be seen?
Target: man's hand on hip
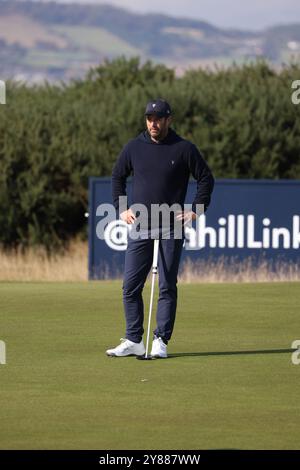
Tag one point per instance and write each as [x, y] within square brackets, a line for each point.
[128, 216]
[186, 216]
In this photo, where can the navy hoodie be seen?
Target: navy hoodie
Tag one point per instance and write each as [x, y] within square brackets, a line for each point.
[161, 171]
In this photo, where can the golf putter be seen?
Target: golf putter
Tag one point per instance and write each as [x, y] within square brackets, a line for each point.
[154, 272]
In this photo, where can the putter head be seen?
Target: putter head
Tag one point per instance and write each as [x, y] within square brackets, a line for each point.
[144, 358]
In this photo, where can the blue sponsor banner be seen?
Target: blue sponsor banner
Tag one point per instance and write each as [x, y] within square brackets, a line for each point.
[247, 218]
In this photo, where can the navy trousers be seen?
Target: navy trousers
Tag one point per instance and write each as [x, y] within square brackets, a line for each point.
[138, 262]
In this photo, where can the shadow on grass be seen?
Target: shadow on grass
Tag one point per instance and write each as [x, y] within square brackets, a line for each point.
[231, 353]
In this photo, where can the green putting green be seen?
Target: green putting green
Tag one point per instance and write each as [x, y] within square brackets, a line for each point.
[229, 382]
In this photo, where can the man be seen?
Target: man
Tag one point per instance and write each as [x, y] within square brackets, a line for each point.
[161, 163]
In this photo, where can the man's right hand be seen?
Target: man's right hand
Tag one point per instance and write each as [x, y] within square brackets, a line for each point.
[128, 216]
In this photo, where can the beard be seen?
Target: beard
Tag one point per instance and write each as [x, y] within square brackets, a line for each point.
[158, 134]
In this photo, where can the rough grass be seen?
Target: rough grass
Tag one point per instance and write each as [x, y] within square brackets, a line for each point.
[72, 265]
[229, 381]
[36, 265]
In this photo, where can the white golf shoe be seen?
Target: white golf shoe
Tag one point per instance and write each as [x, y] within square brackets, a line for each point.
[127, 348]
[159, 348]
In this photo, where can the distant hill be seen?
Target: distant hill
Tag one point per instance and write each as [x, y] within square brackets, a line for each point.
[61, 41]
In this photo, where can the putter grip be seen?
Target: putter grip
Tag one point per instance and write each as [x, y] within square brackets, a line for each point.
[155, 254]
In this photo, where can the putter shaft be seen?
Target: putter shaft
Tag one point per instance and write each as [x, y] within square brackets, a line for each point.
[154, 272]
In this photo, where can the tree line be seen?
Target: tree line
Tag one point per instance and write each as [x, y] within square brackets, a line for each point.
[53, 137]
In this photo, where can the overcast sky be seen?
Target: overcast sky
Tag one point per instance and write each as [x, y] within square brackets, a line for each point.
[249, 14]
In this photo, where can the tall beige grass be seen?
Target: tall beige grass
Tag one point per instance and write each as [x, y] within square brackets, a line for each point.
[72, 265]
[37, 265]
[239, 271]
